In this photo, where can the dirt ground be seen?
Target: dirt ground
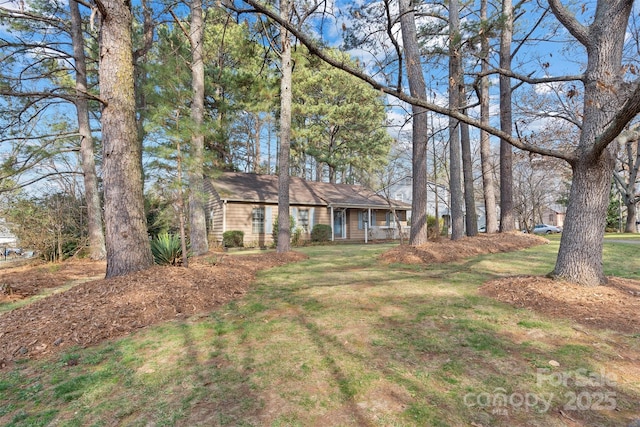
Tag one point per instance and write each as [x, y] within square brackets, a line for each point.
[100, 309]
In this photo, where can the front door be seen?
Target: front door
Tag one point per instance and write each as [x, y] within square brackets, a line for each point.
[339, 231]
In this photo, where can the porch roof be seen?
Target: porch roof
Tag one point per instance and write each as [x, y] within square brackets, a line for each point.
[255, 188]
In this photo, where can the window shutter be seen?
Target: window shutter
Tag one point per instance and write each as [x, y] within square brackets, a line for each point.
[360, 221]
[268, 220]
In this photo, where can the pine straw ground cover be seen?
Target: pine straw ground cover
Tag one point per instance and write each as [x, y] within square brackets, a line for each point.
[94, 311]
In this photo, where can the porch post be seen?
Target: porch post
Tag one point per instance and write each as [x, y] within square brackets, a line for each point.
[224, 216]
[366, 231]
[332, 231]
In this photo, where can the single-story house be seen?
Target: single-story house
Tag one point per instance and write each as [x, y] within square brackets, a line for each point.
[249, 203]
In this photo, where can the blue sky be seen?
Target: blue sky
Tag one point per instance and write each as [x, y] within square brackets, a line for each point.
[542, 58]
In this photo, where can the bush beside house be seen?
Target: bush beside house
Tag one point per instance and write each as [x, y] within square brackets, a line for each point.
[321, 233]
[233, 239]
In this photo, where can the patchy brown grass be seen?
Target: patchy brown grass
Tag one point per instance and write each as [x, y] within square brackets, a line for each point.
[109, 308]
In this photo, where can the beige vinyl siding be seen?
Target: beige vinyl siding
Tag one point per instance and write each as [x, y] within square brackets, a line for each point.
[352, 225]
[317, 215]
[240, 217]
[322, 215]
[215, 215]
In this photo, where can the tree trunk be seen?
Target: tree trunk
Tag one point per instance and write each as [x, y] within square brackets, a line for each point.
[257, 154]
[471, 219]
[284, 232]
[97, 250]
[418, 89]
[488, 184]
[140, 74]
[332, 174]
[197, 217]
[625, 180]
[580, 255]
[181, 215]
[127, 242]
[630, 226]
[507, 219]
[455, 157]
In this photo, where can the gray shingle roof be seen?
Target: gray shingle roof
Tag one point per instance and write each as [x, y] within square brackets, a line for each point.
[246, 187]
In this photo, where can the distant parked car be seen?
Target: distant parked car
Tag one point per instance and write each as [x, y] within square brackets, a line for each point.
[546, 229]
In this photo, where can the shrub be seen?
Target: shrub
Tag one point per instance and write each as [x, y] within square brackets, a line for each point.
[274, 229]
[296, 236]
[434, 227]
[233, 239]
[166, 249]
[321, 233]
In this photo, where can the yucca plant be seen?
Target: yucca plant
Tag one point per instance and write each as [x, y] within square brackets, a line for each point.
[166, 249]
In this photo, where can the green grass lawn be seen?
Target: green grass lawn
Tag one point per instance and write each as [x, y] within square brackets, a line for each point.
[340, 339]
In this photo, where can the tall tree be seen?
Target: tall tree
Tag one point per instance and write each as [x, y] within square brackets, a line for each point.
[507, 220]
[37, 61]
[455, 155]
[626, 181]
[420, 137]
[470, 218]
[197, 219]
[339, 121]
[97, 250]
[488, 183]
[128, 247]
[286, 67]
[609, 104]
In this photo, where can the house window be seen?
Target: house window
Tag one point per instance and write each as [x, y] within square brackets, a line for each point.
[363, 217]
[303, 219]
[257, 219]
[391, 219]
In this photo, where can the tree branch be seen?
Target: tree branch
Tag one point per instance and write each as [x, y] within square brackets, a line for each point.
[36, 179]
[579, 31]
[45, 95]
[532, 80]
[343, 65]
[394, 41]
[15, 14]
[615, 130]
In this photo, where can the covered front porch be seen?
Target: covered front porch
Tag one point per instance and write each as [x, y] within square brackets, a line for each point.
[367, 223]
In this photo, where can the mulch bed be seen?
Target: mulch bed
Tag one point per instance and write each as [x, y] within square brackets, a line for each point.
[614, 306]
[99, 310]
[444, 250]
